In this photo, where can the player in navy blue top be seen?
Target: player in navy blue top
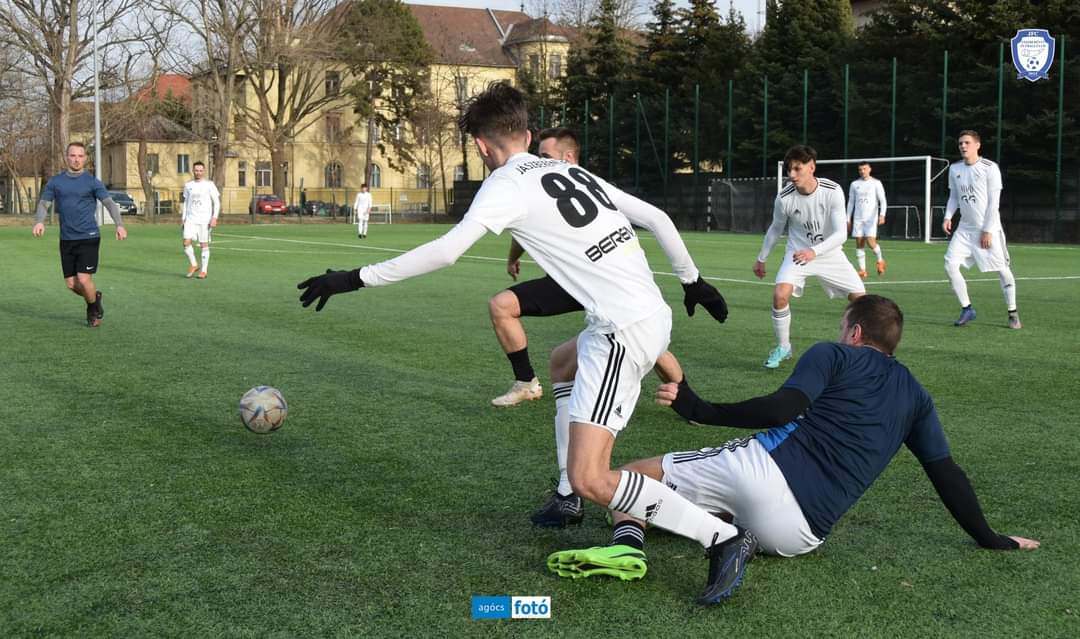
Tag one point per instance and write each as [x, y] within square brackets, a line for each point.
[74, 194]
[833, 427]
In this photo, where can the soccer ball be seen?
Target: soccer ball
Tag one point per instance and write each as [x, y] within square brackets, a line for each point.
[263, 409]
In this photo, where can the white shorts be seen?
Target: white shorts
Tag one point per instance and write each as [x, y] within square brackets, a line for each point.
[965, 249]
[833, 270]
[197, 232]
[864, 227]
[741, 478]
[610, 367]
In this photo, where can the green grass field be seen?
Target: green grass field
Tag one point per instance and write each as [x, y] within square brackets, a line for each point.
[134, 503]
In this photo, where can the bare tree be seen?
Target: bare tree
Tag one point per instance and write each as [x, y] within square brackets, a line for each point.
[287, 56]
[56, 38]
[219, 30]
[577, 13]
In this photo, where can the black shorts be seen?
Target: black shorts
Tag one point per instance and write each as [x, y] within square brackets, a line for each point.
[79, 256]
[543, 298]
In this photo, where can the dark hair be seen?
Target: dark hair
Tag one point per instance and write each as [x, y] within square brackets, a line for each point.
[561, 135]
[497, 112]
[862, 163]
[71, 144]
[364, 185]
[881, 320]
[799, 153]
[198, 163]
[971, 133]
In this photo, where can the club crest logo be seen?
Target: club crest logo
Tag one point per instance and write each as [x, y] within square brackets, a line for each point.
[1033, 53]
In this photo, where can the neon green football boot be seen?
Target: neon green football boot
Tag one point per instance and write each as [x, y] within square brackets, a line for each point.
[624, 562]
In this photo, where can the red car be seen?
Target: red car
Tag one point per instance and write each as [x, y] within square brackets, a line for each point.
[268, 205]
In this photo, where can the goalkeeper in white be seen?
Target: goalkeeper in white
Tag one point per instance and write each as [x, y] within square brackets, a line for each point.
[865, 211]
[202, 204]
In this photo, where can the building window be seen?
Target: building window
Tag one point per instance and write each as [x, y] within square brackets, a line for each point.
[333, 83]
[263, 174]
[183, 163]
[423, 177]
[375, 132]
[332, 175]
[398, 133]
[459, 172]
[461, 86]
[534, 65]
[333, 127]
[555, 66]
[285, 173]
[152, 164]
[241, 173]
[375, 181]
[239, 128]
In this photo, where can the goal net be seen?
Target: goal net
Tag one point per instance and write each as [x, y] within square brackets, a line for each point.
[911, 185]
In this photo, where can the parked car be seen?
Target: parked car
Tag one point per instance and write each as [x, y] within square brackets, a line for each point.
[124, 203]
[268, 204]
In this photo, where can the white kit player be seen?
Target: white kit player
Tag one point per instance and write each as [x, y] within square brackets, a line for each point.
[812, 211]
[975, 188]
[202, 204]
[362, 210]
[579, 229]
[865, 211]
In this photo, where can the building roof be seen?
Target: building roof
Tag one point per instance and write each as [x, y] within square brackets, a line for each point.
[538, 29]
[169, 84]
[460, 35]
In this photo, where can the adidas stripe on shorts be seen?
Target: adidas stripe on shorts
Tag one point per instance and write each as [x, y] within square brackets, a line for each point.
[611, 367]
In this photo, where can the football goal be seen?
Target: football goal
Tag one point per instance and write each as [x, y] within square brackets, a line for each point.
[908, 181]
[381, 214]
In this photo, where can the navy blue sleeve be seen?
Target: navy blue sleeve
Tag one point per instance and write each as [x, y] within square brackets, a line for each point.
[927, 438]
[48, 194]
[99, 191]
[814, 370]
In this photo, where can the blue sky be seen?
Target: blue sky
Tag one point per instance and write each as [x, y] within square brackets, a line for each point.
[749, 8]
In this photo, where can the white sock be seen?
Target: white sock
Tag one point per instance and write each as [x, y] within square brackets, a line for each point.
[959, 286]
[781, 322]
[1008, 287]
[189, 250]
[877, 251]
[205, 258]
[860, 257]
[561, 391]
[649, 500]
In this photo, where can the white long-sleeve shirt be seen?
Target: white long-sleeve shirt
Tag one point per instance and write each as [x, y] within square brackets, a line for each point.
[866, 199]
[362, 205]
[976, 190]
[816, 221]
[575, 225]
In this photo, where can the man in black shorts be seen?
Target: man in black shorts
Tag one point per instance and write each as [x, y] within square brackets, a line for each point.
[75, 193]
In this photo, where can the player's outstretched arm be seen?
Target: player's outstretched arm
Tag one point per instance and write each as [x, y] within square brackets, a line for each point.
[956, 493]
[645, 215]
[761, 412]
[426, 258]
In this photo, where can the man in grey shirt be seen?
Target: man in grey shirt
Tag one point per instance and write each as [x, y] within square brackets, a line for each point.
[75, 193]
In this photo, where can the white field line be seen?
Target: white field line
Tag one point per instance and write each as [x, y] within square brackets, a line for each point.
[482, 258]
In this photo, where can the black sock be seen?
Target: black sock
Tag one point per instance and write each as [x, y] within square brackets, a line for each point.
[628, 533]
[523, 370]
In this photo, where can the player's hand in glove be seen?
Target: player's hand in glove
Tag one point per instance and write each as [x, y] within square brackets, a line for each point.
[701, 292]
[321, 287]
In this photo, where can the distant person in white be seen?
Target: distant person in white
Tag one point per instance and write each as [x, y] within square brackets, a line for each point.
[812, 211]
[975, 188]
[580, 230]
[866, 208]
[362, 210]
[202, 204]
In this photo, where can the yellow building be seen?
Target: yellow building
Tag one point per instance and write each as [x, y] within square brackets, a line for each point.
[325, 161]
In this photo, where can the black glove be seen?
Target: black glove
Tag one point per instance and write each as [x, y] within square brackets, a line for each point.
[701, 292]
[321, 287]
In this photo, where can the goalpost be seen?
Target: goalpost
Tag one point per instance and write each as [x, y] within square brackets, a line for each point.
[927, 177]
[381, 214]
